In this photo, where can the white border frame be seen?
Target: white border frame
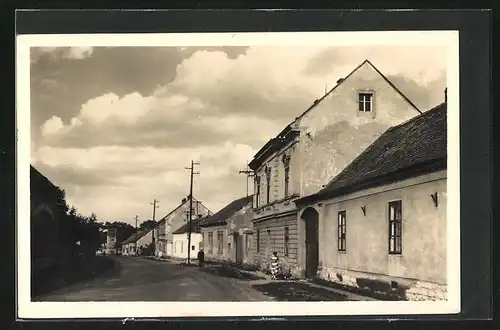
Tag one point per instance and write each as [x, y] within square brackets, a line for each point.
[28, 309]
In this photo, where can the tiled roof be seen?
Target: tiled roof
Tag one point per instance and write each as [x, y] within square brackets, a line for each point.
[276, 142]
[136, 236]
[225, 213]
[195, 228]
[179, 206]
[412, 148]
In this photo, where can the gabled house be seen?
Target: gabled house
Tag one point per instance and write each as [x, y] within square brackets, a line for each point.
[312, 149]
[221, 232]
[181, 240]
[382, 220]
[137, 242]
[173, 221]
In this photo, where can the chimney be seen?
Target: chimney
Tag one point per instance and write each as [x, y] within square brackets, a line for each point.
[340, 80]
[184, 200]
[446, 94]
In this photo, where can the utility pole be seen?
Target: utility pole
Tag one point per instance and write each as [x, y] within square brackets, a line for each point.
[136, 232]
[155, 206]
[249, 174]
[193, 163]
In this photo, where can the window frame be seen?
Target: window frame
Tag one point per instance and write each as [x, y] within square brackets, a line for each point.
[362, 101]
[258, 241]
[395, 230]
[286, 162]
[257, 190]
[220, 242]
[286, 249]
[268, 185]
[342, 231]
[210, 242]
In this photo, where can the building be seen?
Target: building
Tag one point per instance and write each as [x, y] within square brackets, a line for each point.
[382, 221]
[45, 227]
[221, 239]
[110, 241]
[137, 243]
[315, 147]
[181, 240]
[173, 221]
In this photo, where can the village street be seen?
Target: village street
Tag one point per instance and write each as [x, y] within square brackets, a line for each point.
[139, 279]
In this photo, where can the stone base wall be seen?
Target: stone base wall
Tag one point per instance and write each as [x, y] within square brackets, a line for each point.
[412, 290]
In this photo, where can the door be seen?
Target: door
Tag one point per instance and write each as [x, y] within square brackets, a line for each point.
[239, 248]
[312, 251]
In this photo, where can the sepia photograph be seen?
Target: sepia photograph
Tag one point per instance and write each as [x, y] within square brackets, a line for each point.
[238, 174]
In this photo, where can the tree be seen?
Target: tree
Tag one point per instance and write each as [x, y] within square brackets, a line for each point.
[149, 224]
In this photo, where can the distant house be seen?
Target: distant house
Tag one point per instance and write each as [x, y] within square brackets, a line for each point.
[173, 221]
[135, 244]
[181, 240]
[313, 148]
[382, 220]
[221, 236]
[110, 247]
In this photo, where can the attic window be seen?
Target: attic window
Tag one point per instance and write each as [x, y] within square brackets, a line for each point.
[365, 102]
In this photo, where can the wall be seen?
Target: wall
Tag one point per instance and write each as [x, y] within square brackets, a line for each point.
[423, 257]
[276, 241]
[334, 132]
[215, 255]
[180, 245]
[146, 239]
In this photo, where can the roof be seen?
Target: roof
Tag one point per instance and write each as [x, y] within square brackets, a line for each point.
[179, 206]
[415, 147]
[195, 228]
[273, 143]
[39, 177]
[136, 236]
[225, 213]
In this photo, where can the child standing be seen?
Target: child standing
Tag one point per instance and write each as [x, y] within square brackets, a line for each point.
[274, 265]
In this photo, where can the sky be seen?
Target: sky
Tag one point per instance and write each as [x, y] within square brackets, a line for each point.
[115, 127]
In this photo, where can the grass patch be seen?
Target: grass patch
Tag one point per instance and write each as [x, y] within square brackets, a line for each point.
[364, 290]
[295, 291]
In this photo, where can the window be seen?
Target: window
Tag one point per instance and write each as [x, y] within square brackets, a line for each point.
[192, 248]
[182, 246]
[258, 240]
[268, 240]
[210, 242]
[220, 241]
[365, 102]
[287, 239]
[341, 243]
[268, 184]
[257, 191]
[395, 224]
[286, 162]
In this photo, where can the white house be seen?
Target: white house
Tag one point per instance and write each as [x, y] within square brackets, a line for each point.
[180, 239]
[381, 222]
[138, 242]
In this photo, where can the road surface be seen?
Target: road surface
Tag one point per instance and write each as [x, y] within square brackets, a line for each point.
[138, 279]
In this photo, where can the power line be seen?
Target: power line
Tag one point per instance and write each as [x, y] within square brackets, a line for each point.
[193, 163]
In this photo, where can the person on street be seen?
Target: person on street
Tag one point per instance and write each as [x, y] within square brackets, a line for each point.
[201, 257]
[274, 266]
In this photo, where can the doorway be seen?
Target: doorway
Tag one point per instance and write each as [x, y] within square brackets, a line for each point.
[238, 248]
[311, 218]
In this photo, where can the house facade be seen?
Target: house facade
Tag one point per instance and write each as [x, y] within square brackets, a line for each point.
[311, 150]
[225, 234]
[173, 221]
[181, 241]
[138, 242]
[110, 247]
[382, 221]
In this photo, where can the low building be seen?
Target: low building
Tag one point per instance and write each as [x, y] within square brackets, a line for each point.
[382, 220]
[218, 235]
[137, 243]
[110, 247]
[181, 240]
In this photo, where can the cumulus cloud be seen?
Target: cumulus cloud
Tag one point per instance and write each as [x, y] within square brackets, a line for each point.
[124, 122]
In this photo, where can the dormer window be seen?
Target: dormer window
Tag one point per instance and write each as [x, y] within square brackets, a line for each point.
[365, 102]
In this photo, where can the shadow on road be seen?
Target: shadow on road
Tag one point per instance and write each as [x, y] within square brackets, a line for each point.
[226, 271]
[294, 291]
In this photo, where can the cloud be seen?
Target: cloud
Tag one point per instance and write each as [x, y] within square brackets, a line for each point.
[123, 123]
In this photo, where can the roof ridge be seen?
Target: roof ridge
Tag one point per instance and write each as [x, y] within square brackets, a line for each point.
[408, 121]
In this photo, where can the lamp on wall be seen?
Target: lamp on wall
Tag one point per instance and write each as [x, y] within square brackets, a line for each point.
[435, 199]
[363, 208]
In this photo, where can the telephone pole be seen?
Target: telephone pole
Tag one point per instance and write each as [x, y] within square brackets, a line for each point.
[136, 232]
[155, 206]
[249, 174]
[193, 163]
